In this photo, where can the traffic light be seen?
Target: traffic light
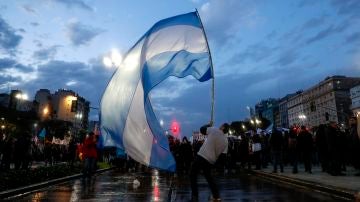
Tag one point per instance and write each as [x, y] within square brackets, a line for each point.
[312, 106]
[327, 116]
[73, 106]
[175, 127]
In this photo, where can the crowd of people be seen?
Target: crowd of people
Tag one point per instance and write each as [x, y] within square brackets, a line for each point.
[22, 151]
[328, 145]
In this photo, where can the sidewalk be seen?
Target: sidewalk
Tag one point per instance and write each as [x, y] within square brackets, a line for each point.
[344, 186]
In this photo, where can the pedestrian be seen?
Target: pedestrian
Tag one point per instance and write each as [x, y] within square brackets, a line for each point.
[90, 154]
[256, 149]
[321, 142]
[276, 144]
[209, 152]
[354, 144]
[186, 154]
[334, 138]
[305, 147]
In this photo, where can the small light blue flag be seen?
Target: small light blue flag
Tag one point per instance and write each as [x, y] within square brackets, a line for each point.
[174, 46]
[42, 133]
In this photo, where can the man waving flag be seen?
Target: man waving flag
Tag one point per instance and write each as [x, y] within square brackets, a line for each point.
[175, 46]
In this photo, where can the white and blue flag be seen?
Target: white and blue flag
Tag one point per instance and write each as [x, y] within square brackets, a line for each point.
[175, 46]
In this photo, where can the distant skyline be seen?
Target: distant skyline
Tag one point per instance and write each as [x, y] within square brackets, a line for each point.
[260, 49]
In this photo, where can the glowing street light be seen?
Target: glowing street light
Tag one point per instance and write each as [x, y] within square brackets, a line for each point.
[21, 96]
[2, 127]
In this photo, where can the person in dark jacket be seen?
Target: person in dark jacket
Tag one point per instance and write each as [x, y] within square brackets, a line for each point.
[354, 144]
[276, 144]
[334, 139]
[186, 154]
[321, 142]
[305, 147]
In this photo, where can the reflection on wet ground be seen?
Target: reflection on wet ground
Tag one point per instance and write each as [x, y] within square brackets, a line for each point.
[117, 186]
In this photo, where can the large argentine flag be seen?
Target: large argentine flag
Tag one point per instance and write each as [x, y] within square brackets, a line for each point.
[172, 47]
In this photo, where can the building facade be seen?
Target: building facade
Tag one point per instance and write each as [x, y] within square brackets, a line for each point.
[268, 109]
[283, 110]
[355, 100]
[65, 105]
[43, 99]
[327, 101]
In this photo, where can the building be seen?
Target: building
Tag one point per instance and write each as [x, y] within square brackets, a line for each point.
[326, 101]
[64, 105]
[355, 100]
[69, 106]
[295, 110]
[43, 99]
[4, 100]
[268, 109]
[283, 110]
[19, 101]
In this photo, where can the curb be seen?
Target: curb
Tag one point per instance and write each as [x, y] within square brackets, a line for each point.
[35, 187]
[326, 189]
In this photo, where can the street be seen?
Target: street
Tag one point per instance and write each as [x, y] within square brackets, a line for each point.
[116, 186]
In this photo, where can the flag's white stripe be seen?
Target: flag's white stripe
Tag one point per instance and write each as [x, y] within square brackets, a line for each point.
[175, 38]
[117, 98]
[138, 138]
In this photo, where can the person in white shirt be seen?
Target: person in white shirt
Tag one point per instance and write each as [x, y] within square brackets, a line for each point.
[215, 144]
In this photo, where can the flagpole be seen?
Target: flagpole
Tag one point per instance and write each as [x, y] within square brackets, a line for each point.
[212, 70]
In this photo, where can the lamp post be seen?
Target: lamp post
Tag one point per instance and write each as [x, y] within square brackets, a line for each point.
[255, 122]
[302, 117]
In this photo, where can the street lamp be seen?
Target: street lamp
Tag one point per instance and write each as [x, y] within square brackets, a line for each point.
[302, 117]
[21, 96]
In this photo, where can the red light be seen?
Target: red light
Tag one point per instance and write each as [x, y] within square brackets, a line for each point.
[175, 128]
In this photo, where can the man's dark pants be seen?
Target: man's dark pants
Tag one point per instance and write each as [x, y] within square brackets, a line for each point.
[202, 164]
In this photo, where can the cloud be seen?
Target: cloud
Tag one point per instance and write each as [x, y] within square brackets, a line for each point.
[74, 4]
[314, 22]
[304, 3]
[28, 9]
[87, 79]
[271, 35]
[353, 38]
[223, 27]
[9, 40]
[46, 53]
[71, 83]
[6, 63]
[37, 43]
[174, 89]
[80, 34]
[330, 30]
[13, 73]
[347, 7]
[35, 24]
[253, 53]
[286, 58]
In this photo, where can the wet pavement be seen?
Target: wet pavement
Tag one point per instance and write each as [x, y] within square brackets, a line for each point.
[117, 186]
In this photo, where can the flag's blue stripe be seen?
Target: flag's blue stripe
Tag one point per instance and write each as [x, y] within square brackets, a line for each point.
[179, 64]
[161, 156]
[190, 19]
[154, 125]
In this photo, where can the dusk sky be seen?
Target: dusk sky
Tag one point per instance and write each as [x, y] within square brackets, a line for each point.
[260, 49]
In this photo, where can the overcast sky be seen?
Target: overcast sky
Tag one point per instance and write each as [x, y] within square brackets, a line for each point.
[260, 49]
